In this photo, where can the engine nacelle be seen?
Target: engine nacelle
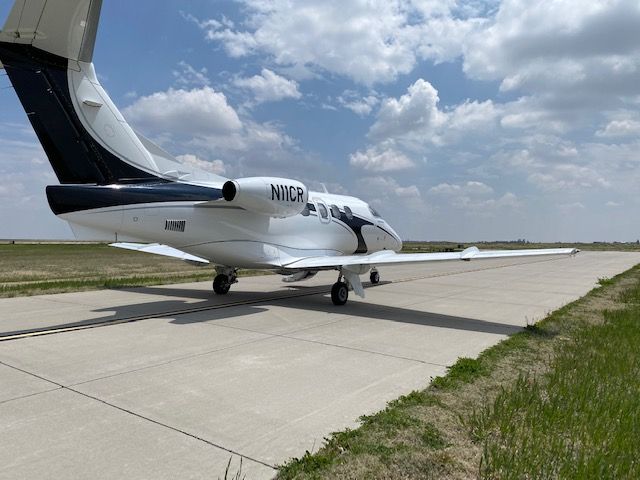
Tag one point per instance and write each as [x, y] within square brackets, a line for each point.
[275, 197]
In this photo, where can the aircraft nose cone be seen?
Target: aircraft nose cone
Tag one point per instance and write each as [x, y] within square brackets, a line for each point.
[396, 240]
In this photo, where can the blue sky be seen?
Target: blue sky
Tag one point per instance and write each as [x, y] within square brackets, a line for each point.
[457, 120]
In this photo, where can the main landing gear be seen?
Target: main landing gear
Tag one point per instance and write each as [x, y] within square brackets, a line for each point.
[339, 293]
[340, 289]
[224, 279]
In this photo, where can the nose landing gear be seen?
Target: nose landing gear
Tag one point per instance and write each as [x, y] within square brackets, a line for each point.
[374, 277]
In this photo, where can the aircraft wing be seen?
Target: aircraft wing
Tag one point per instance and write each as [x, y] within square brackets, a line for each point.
[388, 257]
[159, 249]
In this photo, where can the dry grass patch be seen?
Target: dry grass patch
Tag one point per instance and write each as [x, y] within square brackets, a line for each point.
[32, 269]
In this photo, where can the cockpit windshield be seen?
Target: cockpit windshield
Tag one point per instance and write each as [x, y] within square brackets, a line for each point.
[374, 212]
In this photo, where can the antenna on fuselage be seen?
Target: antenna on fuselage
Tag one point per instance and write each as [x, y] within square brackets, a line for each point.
[324, 188]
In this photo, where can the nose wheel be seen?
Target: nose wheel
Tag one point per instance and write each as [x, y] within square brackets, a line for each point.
[374, 277]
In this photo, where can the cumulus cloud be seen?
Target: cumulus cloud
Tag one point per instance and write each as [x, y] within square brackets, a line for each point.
[380, 160]
[189, 112]
[415, 120]
[490, 206]
[468, 188]
[620, 128]
[187, 76]
[411, 191]
[269, 87]
[416, 110]
[201, 121]
[361, 106]
[569, 51]
[474, 196]
[568, 177]
[216, 166]
[387, 192]
[377, 40]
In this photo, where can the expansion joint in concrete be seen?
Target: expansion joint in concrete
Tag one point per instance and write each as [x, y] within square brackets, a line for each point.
[130, 412]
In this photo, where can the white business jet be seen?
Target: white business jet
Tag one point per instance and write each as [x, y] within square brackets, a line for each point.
[118, 186]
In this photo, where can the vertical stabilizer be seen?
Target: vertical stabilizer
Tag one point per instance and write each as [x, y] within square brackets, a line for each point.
[46, 47]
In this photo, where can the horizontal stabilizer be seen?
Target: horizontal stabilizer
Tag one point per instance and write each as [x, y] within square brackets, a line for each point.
[159, 249]
[66, 28]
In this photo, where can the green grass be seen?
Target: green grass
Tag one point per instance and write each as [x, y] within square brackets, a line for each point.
[463, 371]
[31, 269]
[377, 437]
[37, 287]
[561, 399]
[581, 419]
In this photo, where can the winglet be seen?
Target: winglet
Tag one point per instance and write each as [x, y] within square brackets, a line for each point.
[469, 253]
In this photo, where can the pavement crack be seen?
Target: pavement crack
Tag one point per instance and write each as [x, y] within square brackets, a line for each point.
[175, 429]
[26, 372]
[35, 394]
[356, 349]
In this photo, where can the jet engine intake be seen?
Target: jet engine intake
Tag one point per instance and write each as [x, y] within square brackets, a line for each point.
[274, 197]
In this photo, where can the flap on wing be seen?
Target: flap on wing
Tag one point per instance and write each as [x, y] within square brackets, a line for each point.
[159, 249]
[388, 257]
[378, 258]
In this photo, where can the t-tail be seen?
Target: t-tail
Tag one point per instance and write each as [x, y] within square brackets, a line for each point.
[46, 48]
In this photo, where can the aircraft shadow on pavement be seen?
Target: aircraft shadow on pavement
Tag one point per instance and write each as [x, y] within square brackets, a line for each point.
[169, 309]
[320, 303]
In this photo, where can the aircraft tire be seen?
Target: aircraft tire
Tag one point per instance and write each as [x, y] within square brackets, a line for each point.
[374, 278]
[221, 284]
[339, 293]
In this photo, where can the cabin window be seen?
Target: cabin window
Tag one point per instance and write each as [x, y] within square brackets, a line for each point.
[305, 211]
[311, 207]
[348, 213]
[323, 211]
[335, 211]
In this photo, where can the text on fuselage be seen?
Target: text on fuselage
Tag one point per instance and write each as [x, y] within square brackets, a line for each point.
[287, 193]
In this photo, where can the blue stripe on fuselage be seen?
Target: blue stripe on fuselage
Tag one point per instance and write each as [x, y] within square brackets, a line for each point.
[75, 198]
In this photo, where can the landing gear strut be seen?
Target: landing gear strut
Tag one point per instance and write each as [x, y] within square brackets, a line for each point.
[224, 279]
